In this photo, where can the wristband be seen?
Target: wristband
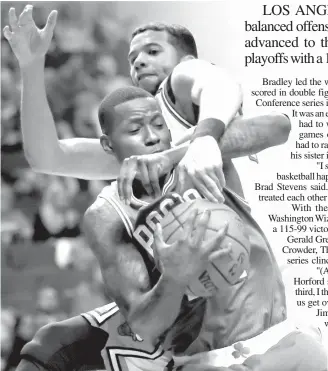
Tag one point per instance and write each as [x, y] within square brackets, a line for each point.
[209, 126]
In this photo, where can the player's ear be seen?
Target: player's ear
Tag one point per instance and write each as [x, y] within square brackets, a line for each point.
[187, 57]
[106, 143]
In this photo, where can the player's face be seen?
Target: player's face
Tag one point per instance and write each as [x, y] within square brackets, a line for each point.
[139, 129]
[152, 58]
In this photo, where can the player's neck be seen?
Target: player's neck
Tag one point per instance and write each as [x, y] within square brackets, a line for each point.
[140, 193]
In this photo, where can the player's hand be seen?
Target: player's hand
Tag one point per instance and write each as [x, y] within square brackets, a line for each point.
[148, 169]
[188, 257]
[27, 41]
[203, 164]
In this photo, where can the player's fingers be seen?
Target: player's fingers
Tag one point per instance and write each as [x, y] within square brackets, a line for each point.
[144, 176]
[158, 236]
[220, 176]
[51, 23]
[26, 16]
[153, 171]
[157, 259]
[128, 181]
[7, 33]
[201, 188]
[120, 181]
[181, 178]
[124, 181]
[214, 242]
[190, 224]
[219, 253]
[211, 183]
[13, 19]
[200, 228]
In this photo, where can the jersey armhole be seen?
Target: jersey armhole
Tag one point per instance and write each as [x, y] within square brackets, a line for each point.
[168, 91]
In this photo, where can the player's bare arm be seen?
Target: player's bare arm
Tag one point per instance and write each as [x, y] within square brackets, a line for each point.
[219, 98]
[83, 158]
[246, 136]
[149, 311]
[126, 277]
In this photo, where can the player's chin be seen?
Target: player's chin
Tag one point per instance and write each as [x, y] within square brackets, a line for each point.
[150, 86]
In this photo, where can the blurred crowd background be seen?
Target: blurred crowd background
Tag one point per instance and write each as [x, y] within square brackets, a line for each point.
[48, 272]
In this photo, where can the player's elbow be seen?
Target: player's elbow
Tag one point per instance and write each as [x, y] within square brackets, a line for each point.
[37, 166]
[39, 163]
[282, 127]
[46, 342]
[46, 159]
[33, 160]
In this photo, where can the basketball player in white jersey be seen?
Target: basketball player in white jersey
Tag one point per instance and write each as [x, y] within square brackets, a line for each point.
[198, 96]
[162, 322]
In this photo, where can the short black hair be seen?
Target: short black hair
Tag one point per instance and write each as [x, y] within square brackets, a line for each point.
[121, 95]
[180, 37]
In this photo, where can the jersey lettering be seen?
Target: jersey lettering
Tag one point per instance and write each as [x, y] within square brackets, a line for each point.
[144, 232]
[206, 281]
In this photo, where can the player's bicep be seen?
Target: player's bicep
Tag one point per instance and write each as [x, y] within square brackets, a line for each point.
[212, 88]
[217, 94]
[123, 269]
[84, 158]
[131, 278]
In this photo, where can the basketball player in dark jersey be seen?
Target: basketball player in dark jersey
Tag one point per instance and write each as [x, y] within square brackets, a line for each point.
[153, 75]
[204, 99]
[156, 330]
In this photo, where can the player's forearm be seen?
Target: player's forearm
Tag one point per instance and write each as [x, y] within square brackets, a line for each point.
[175, 154]
[248, 136]
[156, 310]
[243, 137]
[38, 127]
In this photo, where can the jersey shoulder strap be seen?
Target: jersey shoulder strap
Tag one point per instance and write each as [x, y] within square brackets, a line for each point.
[110, 195]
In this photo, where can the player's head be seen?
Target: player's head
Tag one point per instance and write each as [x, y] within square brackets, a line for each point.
[155, 49]
[132, 124]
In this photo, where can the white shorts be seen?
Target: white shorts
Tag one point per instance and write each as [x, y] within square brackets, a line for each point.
[283, 347]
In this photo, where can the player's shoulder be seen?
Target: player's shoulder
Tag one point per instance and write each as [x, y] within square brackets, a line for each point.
[101, 208]
[193, 72]
[191, 66]
[101, 214]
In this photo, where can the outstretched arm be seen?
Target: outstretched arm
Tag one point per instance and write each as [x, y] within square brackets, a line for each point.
[249, 135]
[77, 157]
[83, 158]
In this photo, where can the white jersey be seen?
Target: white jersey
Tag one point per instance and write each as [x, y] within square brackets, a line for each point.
[175, 122]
